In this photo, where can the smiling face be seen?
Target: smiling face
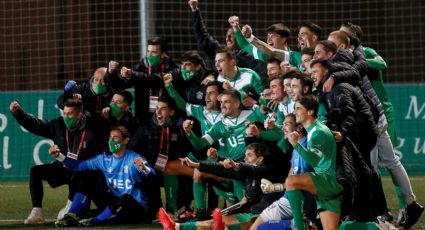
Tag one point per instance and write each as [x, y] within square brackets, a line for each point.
[276, 89]
[230, 40]
[320, 52]
[229, 106]
[224, 65]
[297, 89]
[163, 113]
[276, 40]
[211, 95]
[287, 86]
[273, 69]
[306, 38]
[305, 63]
[318, 73]
[289, 125]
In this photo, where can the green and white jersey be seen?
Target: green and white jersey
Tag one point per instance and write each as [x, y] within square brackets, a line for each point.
[230, 132]
[321, 149]
[284, 109]
[205, 117]
[244, 77]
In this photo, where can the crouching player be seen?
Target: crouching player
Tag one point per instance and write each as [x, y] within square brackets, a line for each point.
[321, 154]
[124, 171]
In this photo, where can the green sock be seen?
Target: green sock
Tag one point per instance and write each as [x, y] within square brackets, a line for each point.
[188, 226]
[238, 188]
[400, 195]
[295, 198]
[199, 191]
[170, 186]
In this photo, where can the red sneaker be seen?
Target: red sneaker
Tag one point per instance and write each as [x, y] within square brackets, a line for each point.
[165, 220]
[218, 219]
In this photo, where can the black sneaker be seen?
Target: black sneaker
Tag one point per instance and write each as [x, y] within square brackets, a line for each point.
[69, 220]
[413, 212]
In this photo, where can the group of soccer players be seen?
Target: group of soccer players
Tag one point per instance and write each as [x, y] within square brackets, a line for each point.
[290, 139]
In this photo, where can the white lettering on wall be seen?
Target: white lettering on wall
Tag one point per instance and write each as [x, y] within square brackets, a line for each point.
[414, 107]
[36, 151]
[6, 164]
[418, 147]
[3, 120]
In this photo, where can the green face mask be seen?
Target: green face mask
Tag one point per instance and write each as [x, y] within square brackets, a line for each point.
[188, 74]
[70, 122]
[115, 110]
[154, 60]
[114, 146]
[99, 89]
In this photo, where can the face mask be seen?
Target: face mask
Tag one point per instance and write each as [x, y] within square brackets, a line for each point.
[99, 89]
[114, 146]
[188, 74]
[70, 122]
[115, 110]
[153, 60]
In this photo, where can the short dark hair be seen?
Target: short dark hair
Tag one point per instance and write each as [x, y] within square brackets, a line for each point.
[305, 81]
[310, 102]
[232, 93]
[328, 46]
[280, 29]
[261, 150]
[273, 60]
[279, 77]
[314, 28]
[307, 51]
[162, 42]
[77, 104]
[169, 101]
[128, 97]
[289, 74]
[229, 53]
[355, 29]
[123, 130]
[323, 62]
[194, 57]
[219, 86]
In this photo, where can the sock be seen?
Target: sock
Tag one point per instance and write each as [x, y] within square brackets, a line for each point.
[295, 198]
[238, 188]
[187, 226]
[199, 195]
[400, 197]
[105, 215]
[170, 186]
[79, 203]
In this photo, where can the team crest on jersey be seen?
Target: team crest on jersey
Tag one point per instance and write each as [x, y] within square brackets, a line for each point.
[174, 137]
[110, 169]
[199, 95]
[126, 169]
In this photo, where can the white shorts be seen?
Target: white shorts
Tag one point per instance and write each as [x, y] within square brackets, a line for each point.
[279, 210]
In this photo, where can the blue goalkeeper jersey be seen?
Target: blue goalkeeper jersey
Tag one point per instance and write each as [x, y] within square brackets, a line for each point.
[122, 176]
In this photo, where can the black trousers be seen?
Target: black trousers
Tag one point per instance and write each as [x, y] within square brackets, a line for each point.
[56, 175]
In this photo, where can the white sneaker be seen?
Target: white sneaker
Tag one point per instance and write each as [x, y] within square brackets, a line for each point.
[36, 217]
[64, 210]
